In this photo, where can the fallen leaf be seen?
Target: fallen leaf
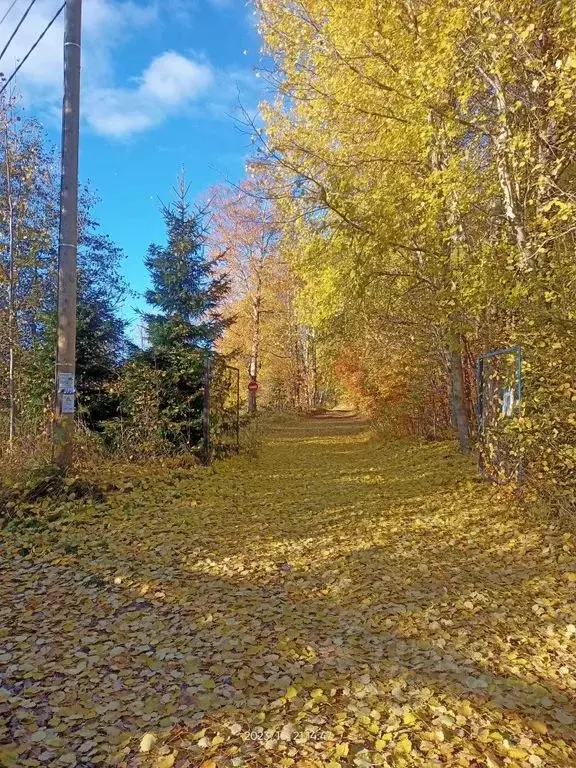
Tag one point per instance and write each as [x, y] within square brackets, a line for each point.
[147, 742]
[538, 726]
[166, 761]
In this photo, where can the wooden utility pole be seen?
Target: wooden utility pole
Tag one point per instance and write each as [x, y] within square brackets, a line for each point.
[11, 286]
[68, 245]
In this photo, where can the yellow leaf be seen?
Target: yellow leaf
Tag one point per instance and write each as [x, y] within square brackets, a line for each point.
[538, 726]
[9, 755]
[291, 692]
[147, 742]
[409, 718]
[342, 749]
[167, 761]
[404, 746]
[317, 693]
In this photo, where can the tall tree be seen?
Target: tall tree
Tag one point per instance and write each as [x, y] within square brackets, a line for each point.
[188, 288]
[187, 285]
[27, 255]
[433, 221]
[243, 229]
[28, 269]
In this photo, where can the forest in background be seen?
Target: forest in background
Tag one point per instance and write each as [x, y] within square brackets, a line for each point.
[218, 289]
[421, 158]
[409, 206]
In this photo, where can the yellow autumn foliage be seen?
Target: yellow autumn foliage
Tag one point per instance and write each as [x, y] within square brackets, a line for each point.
[430, 158]
[311, 606]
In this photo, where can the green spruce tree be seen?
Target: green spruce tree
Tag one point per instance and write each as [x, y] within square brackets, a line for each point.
[187, 291]
[187, 288]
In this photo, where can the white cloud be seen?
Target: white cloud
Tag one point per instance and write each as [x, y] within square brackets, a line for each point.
[43, 70]
[170, 78]
[109, 113]
[105, 23]
[169, 83]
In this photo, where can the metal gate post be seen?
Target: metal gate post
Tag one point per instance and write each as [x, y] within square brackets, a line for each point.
[517, 351]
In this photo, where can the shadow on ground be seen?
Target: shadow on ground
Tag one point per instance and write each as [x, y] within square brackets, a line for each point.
[377, 595]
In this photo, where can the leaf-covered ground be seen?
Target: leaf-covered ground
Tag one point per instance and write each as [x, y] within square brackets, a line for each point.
[334, 602]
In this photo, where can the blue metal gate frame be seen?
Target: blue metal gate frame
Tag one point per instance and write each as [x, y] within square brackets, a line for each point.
[480, 415]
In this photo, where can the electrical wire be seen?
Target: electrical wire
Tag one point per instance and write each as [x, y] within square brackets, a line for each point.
[25, 59]
[3, 19]
[13, 35]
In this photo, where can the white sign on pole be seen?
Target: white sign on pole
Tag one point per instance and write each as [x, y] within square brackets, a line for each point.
[67, 392]
[68, 404]
[66, 382]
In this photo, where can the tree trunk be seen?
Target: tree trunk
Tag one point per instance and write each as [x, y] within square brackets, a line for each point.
[312, 368]
[458, 396]
[255, 346]
[451, 223]
[506, 176]
[506, 170]
[308, 358]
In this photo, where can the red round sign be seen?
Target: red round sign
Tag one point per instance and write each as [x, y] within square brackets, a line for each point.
[253, 386]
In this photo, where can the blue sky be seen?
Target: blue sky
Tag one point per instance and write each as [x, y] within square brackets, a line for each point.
[161, 84]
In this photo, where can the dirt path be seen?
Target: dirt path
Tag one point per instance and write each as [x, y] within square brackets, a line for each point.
[333, 602]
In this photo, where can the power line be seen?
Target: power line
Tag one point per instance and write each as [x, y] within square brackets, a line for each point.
[3, 19]
[25, 59]
[13, 35]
